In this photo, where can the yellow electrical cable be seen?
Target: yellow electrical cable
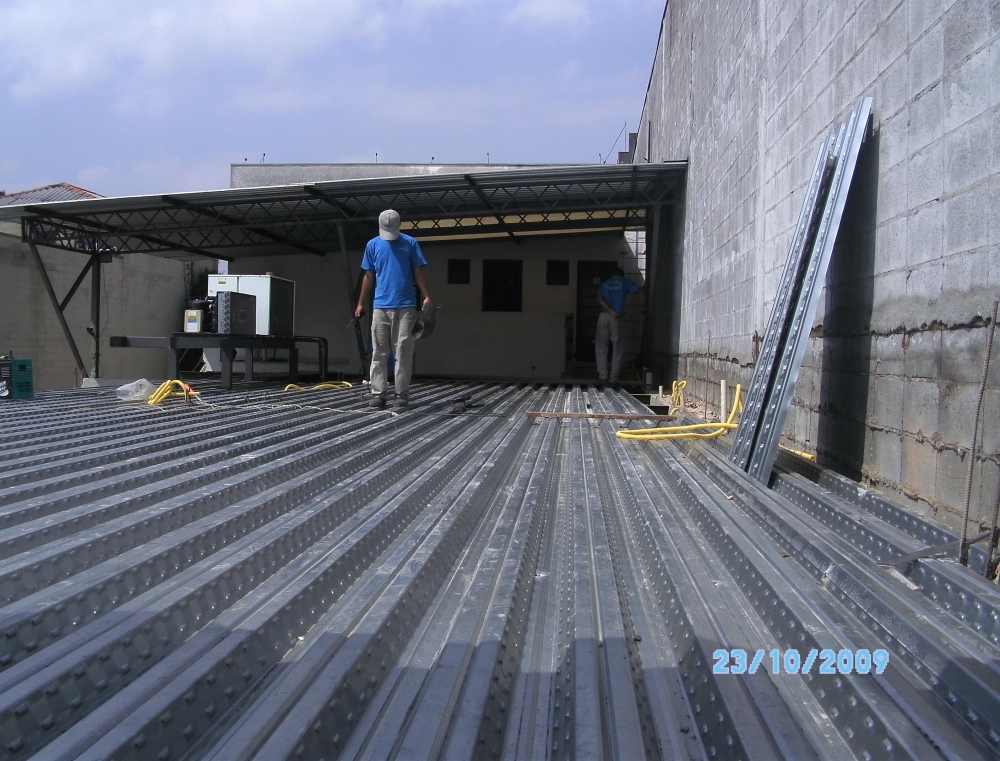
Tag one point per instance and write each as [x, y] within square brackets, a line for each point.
[688, 431]
[166, 390]
[803, 455]
[335, 386]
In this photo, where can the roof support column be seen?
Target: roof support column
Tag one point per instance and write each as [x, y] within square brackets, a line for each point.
[652, 271]
[95, 312]
[351, 296]
[58, 310]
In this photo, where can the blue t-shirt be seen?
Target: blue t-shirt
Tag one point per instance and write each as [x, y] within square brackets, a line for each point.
[393, 261]
[615, 290]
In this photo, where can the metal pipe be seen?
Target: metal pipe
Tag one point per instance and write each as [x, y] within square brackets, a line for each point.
[95, 312]
[55, 305]
[963, 555]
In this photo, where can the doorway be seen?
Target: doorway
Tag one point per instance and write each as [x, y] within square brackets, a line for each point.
[589, 276]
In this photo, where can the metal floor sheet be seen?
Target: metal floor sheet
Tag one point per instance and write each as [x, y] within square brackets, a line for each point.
[290, 575]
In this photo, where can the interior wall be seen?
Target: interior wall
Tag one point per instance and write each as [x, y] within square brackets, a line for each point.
[142, 295]
[746, 92]
[467, 342]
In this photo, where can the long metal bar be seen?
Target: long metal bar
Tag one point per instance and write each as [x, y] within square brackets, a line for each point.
[773, 422]
[776, 333]
[489, 205]
[56, 307]
[262, 231]
[76, 284]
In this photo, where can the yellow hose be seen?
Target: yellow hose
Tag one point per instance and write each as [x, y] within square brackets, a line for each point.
[803, 455]
[675, 392]
[336, 386]
[167, 390]
[688, 431]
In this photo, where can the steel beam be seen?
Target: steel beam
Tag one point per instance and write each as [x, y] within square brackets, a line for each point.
[57, 308]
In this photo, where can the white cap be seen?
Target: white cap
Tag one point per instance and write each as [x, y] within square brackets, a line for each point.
[388, 224]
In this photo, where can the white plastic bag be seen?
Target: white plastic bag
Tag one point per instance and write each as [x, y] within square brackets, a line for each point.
[137, 391]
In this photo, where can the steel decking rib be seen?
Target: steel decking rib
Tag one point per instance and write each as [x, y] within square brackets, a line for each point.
[265, 575]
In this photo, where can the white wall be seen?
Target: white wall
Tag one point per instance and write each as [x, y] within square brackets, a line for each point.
[322, 307]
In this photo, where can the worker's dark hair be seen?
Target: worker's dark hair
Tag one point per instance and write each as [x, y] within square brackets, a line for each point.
[619, 272]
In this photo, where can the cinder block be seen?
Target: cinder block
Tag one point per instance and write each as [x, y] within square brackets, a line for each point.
[921, 407]
[964, 280]
[885, 402]
[887, 455]
[892, 38]
[922, 355]
[924, 113]
[958, 404]
[925, 175]
[925, 234]
[964, 164]
[968, 90]
[892, 192]
[891, 246]
[924, 286]
[951, 477]
[967, 220]
[989, 431]
[926, 60]
[962, 354]
[887, 356]
[919, 468]
[966, 29]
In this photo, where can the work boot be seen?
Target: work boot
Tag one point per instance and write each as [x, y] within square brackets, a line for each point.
[377, 403]
[400, 403]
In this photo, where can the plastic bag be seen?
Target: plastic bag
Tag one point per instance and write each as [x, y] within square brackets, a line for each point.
[137, 391]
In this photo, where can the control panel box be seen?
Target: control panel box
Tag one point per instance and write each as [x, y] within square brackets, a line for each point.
[16, 379]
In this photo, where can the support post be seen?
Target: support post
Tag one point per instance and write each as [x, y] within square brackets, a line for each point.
[723, 398]
[348, 281]
[652, 266]
[95, 312]
[55, 306]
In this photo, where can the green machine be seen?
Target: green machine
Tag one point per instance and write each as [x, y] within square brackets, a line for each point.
[16, 381]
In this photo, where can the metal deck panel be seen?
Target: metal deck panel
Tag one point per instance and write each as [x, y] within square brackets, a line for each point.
[265, 575]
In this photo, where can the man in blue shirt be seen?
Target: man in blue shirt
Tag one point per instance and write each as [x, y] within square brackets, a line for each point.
[392, 263]
[611, 296]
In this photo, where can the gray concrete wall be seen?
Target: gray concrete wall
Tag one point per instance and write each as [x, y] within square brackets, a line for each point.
[746, 92]
[142, 295]
[265, 175]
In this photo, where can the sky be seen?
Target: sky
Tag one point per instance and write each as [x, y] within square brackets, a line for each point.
[135, 97]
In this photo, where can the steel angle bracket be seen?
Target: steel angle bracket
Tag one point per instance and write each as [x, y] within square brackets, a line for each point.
[849, 147]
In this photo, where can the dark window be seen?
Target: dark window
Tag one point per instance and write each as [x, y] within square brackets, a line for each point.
[502, 285]
[557, 272]
[458, 271]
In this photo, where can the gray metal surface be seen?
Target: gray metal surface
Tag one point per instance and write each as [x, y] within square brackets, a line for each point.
[269, 575]
[776, 371]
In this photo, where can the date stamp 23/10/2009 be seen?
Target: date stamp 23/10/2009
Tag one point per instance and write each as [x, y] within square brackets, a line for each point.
[823, 662]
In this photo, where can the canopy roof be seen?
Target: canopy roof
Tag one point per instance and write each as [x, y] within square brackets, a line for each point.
[329, 216]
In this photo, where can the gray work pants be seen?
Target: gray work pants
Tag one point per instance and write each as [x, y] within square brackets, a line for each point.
[392, 331]
[609, 329]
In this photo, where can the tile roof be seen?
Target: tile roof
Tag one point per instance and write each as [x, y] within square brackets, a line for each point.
[61, 191]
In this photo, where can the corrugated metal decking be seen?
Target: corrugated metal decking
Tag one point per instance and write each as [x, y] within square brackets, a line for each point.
[268, 575]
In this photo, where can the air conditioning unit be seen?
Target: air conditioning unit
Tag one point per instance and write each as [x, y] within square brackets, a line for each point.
[275, 314]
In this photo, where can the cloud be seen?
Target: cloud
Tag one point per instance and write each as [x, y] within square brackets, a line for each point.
[550, 13]
[50, 46]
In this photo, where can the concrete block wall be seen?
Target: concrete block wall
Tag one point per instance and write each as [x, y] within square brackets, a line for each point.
[746, 93]
[142, 295]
